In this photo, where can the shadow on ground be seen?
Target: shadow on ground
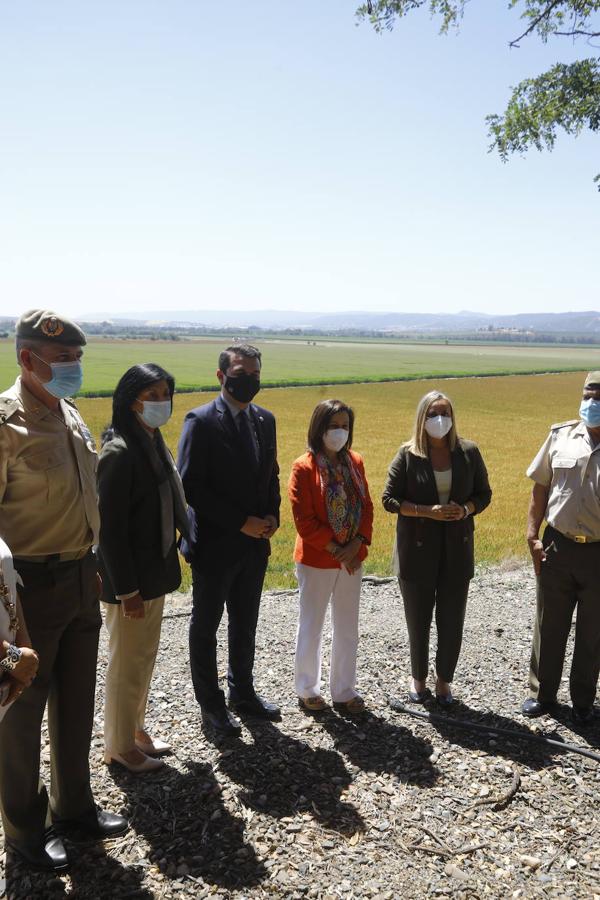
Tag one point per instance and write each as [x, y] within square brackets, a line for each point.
[93, 874]
[376, 745]
[191, 833]
[519, 748]
[283, 776]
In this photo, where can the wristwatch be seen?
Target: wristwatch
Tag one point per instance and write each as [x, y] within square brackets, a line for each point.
[13, 655]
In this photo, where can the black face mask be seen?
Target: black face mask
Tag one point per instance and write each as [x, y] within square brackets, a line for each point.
[242, 388]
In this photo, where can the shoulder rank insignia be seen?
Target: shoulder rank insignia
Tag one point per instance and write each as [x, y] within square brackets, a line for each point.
[86, 434]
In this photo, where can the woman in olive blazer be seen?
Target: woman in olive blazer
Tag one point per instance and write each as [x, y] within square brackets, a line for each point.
[436, 484]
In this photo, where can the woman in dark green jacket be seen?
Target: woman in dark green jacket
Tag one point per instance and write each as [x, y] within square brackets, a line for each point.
[436, 484]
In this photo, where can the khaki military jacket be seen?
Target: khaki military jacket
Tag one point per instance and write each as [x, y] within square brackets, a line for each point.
[48, 501]
[568, 463]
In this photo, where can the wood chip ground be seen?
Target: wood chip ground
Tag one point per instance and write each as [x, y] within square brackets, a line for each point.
[385, 806]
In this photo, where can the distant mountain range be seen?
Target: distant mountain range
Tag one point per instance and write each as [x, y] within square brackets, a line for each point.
[419, 323]
[579, 323]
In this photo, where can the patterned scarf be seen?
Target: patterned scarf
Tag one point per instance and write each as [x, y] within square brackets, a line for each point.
[343, 491]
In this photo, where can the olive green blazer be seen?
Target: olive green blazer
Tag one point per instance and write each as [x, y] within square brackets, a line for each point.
[430, 550]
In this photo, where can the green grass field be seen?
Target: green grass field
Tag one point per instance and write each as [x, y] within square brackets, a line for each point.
[194, 362]
[508, 417]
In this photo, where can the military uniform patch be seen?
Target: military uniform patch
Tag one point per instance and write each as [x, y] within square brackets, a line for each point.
[52, 327]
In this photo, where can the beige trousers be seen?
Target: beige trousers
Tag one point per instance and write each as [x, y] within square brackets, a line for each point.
[132, 649]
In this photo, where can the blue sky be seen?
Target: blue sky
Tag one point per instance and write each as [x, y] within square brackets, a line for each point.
[198, 155]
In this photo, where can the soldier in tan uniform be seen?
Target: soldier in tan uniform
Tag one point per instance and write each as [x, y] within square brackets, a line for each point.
[49, 518]
[566, 493]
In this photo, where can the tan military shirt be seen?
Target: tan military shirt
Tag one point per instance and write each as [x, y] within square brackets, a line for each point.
[48, 501]
[569, 464]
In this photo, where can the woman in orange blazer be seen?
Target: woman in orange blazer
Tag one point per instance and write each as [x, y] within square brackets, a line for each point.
[334, 519]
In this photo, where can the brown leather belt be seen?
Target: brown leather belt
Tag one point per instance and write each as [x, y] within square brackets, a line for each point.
[68, 556]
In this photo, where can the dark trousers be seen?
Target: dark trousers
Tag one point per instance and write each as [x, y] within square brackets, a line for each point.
[61, 609]
[238, 586]
[569, 580]
[450, 602]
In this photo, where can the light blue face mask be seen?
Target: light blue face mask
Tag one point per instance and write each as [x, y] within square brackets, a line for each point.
[67, 378]
[155, 413]
[590, 412]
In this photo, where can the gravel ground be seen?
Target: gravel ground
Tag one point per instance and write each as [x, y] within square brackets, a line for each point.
[384, 806]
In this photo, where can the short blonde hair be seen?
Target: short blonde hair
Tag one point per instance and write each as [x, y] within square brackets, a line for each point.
[418, 443]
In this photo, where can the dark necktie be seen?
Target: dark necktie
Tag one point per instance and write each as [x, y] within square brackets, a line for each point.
[247, 439]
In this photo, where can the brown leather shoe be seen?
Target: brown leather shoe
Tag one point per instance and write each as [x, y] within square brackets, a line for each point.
[353, 707]
[312, 704]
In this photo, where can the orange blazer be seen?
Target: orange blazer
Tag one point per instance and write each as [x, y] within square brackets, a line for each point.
[310, 513]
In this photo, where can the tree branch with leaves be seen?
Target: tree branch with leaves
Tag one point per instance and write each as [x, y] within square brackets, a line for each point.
[566, 97]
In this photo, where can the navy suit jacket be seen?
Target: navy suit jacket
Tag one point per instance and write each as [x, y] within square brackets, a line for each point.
[221, 488]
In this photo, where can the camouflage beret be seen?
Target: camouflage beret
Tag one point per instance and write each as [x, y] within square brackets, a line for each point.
[45, 325]
[592, 378]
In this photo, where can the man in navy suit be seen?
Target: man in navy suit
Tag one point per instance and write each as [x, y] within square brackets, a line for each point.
[228, 465]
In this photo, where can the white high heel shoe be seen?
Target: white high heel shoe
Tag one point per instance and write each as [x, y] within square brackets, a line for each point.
[154, 747]
[150, 763]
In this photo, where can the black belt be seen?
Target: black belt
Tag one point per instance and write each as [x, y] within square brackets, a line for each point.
[580, 538]
[53, 558]
[576, 538]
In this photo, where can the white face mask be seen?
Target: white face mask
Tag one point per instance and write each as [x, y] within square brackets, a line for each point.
[335, 438]
[438, 426]
[155, 413]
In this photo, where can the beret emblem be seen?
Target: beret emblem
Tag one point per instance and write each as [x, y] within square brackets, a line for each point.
[52, 327]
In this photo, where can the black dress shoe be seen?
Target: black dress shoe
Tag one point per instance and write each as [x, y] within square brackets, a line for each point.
[532, 707]
[445, 700]
[96, 824]
[583, 715]
[221, 721]
[50, 855]
[419, 696]
[257, 707]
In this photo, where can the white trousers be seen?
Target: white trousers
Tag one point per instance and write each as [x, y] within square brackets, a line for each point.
[132, 649]
[317, 588]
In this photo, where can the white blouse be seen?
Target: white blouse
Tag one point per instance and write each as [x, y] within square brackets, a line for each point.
[443, 481]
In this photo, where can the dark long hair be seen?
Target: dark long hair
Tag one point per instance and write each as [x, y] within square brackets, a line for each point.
[137, 378]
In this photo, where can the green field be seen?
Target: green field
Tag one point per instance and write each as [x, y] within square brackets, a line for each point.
[508, 417]
[285, 362]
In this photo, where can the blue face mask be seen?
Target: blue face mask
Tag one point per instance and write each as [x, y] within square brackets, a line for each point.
[67, 378]
[590, 412]
[155, 412]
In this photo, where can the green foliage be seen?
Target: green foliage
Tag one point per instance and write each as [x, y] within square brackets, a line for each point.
[565, 97]
[565, 18]
[383, 15]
